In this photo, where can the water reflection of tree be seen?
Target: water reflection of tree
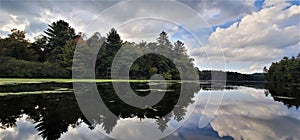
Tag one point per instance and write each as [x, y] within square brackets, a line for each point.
[288, 94]
[168, 107]
[33, 87]
[57, 115]
[232, 85]
[54, 113]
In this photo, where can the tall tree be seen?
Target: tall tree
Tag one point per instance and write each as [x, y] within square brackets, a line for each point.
[57, 35]
[113, 42]
[179, 48]
[163, 39]
[107, 53]
[164, 44]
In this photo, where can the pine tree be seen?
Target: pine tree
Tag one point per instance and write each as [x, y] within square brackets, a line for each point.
[57, 35]
[164, 44]
[107, 53]
[163, 39]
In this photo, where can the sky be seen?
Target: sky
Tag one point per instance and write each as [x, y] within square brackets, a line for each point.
[229, 35]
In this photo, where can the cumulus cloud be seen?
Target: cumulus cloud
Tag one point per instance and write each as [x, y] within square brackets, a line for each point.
[13, 21]
[34, 16]
[259, 38]
[81, 13]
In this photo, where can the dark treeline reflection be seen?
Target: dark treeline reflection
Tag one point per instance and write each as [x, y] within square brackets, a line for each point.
[52, 114]
[29, 87]
[172, 106]
[232, 85]
[288, 94]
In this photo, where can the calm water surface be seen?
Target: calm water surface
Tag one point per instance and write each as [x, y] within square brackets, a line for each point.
[246, 112]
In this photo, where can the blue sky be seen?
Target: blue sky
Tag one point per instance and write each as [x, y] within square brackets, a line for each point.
[259, 4]
[241, 36]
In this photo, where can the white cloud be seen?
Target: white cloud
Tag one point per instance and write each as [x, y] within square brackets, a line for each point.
[34, 16]
[259, 38]
[80, 13]
[253, 68]
[12, 22]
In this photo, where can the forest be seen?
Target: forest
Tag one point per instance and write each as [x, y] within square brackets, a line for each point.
[51, 54]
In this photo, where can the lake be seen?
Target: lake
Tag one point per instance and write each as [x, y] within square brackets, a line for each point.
[50, 110]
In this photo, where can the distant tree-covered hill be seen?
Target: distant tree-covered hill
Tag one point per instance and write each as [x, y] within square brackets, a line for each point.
[231, 76]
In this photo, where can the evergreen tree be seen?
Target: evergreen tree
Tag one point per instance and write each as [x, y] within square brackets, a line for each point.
[107, 53]
[113, 39]
[164, 44]
[57, 35]
[179, 48]
[163, 39]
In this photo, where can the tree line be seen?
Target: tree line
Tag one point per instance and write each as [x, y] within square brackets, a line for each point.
[45, 57]
[230, 76]
[287, 71]
[51, 55]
